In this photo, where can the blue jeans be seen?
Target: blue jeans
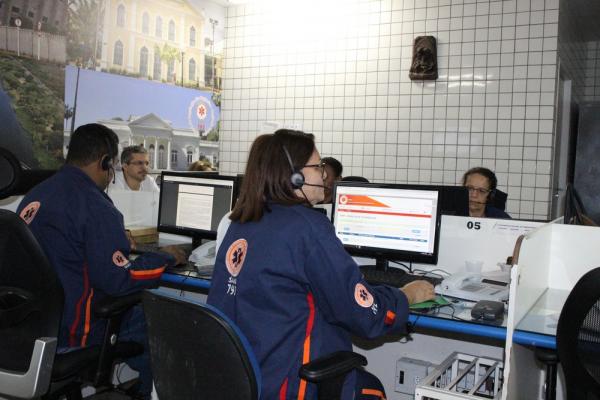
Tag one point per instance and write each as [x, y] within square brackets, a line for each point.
[133, 328]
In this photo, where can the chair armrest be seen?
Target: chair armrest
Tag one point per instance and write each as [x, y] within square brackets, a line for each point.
[332, 365]
[112, 306]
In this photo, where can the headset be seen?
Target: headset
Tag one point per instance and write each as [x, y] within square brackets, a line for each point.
[297, 177]
[107, 161]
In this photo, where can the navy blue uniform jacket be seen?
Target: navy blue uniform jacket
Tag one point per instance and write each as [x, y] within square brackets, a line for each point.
[294, 291]
[493, 212]
[83, 236]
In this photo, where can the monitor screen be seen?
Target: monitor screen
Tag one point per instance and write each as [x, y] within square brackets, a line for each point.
[193, 203]
[388, 221]
[454, 200]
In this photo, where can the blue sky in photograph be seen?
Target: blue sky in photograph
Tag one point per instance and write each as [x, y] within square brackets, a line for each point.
[106, 96]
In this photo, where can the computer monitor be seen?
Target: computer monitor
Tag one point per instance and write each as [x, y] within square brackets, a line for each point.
[193, 203]
[454, 200]
[389, 222]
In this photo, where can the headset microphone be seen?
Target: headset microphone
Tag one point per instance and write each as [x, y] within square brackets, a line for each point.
[321, 186]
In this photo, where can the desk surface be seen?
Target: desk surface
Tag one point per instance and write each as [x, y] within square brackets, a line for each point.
[437, 322]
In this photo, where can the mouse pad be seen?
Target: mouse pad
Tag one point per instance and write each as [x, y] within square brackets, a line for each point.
[437, 302]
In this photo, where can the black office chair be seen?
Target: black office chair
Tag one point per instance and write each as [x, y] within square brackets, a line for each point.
[11, 173]
[14, 180]
[499, 199]
[31, 303]
[578, 338]
[198, 352]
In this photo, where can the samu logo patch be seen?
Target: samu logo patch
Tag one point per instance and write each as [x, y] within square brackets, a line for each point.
[362, 296]
[236, 255]
[28, 213]
[119, 259]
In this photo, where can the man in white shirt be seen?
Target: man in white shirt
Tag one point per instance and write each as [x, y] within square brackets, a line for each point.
[135, 163]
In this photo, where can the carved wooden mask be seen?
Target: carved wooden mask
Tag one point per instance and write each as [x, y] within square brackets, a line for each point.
[424, 60]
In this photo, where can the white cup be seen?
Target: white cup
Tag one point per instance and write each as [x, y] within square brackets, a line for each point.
[473, 266]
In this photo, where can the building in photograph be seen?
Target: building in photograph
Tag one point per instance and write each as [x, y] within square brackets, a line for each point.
[51, 15]
[169, 148]
[158, 40]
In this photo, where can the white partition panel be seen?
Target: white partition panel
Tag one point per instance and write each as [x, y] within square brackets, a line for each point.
[575, 250]
[139, 209]
[483, 239]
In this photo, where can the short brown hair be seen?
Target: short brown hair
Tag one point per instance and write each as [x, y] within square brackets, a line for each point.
[268, 173]
[129, 151]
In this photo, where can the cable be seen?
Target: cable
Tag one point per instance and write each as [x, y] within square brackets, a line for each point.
[408, 269]
[304, 194]
[426, 273]
[186, 274]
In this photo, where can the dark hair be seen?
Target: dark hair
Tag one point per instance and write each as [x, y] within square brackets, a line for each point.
[268, 173]
[90, 143]
[488, 173]
[200, 165]
[129, 151]
[354, 178]
[334, 164]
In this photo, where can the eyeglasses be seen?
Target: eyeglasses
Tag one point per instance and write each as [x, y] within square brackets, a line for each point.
[320, 165]
[139, 163]
[480, 191]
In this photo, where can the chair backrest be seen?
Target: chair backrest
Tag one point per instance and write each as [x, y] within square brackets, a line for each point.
[578, 337]
[31, 303]
[499, 199]
[11, 171]
[196, 351]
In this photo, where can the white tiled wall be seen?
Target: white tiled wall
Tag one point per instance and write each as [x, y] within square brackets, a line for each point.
[339, 69]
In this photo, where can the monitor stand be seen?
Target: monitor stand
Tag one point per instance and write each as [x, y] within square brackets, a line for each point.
[196, 241]
[381, 264]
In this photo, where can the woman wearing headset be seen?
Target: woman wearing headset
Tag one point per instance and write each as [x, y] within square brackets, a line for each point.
[481, 184]
[285, 279]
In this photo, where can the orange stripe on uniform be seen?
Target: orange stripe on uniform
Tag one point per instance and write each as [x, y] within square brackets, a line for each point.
[390, 317]
[147, 273]
[283, 390]
[75, 323]
[306, 353]
[88, 316]
[374, 392]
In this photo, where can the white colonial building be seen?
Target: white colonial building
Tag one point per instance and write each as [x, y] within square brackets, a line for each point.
[169, 148]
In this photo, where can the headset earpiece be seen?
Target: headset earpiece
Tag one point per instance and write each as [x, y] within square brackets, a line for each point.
[297, 180]
[297, 177]
[106, 163]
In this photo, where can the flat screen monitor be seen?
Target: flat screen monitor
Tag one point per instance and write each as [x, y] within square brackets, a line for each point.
[193, 203]
[454, 200]
[389, 222]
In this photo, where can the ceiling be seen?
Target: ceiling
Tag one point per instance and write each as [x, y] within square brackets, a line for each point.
[586, 14]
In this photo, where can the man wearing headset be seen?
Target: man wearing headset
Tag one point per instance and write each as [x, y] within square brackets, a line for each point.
[83, 236]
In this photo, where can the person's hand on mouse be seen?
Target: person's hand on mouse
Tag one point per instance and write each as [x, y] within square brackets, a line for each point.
[177, 252]
[418, 291]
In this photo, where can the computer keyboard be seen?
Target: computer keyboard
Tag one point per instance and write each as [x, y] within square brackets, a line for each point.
[182, 269]
[394, 277]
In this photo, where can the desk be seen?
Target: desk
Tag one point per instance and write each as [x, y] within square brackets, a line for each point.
[418, 320]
